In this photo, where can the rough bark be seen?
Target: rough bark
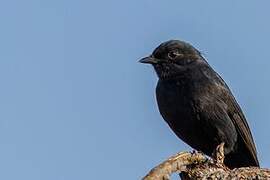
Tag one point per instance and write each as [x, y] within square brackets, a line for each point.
[195, 165]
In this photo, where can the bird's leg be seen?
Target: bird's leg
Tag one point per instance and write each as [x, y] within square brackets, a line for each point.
[218, 154]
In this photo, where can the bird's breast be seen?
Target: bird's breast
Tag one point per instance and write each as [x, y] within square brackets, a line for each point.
[176, 106]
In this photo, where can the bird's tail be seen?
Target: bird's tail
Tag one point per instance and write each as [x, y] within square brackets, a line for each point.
[241, 158]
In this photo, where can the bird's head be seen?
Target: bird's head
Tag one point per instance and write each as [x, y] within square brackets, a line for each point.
[172, 58]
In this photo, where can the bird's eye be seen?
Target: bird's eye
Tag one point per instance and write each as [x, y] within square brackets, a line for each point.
[173, 54]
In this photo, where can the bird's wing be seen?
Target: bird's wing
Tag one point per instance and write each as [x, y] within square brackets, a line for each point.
[237, 116]
[223, 93]
[217, 124]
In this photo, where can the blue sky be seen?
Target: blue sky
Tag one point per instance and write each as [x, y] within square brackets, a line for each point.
[74, 102]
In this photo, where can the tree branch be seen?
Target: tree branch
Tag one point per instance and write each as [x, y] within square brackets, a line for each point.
[196, 165]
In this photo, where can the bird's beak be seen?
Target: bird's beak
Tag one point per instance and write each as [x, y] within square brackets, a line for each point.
[148, 60]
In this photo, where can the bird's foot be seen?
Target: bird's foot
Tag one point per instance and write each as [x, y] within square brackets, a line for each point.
[196, 152]
[218, 155]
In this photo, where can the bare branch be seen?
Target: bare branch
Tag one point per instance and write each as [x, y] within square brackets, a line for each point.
[198, 166]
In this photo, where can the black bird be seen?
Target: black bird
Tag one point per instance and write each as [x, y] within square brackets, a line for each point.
[198, 105]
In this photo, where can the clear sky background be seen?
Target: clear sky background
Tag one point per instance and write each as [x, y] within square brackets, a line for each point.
[74, 102]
